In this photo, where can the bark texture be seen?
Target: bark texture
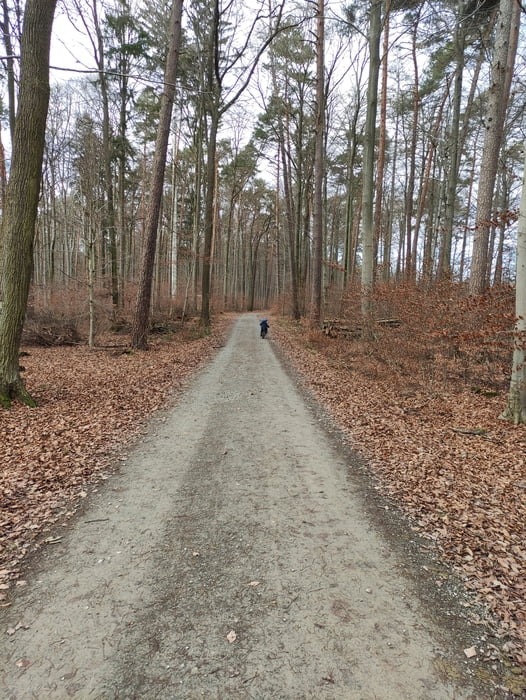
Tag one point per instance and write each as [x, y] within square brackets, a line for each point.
[142, 310]
[508, 20]
[18, 226]
[516, 405]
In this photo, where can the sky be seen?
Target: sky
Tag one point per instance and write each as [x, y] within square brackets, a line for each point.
[68, 49]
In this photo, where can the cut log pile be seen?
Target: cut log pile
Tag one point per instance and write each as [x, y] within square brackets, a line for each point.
[338, 328]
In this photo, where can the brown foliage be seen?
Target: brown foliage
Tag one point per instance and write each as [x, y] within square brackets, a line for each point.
[421, 402]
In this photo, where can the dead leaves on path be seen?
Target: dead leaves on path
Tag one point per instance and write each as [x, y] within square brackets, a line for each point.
[92, 402]
[456, 469]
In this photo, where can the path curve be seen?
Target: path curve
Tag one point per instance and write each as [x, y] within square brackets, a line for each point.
[233, 556]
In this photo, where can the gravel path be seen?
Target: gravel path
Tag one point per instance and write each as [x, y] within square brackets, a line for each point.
[238, 553]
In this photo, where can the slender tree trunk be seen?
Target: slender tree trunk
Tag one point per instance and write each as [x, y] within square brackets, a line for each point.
[142, 311]
[109, 218]
[88, 227]
[289, 213]
[349, 249]
[10, 63]
[427, 265]
[23, 191]
[516, 405]
[454, 150]
[375, 30]
[209, 218]
[212, 110]
[319, 168]
[174, 224]
[410, 263]
[508, 19]
[382, 135]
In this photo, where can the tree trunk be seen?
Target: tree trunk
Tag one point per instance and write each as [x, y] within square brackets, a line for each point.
[516, 406]
[410, 261]
[18, 225]
[375, 30]
[289, 212]
[508, 20]
[10, 63]
[426, 181]
[142, 310]
[209, 218]
[319, 169]
[454, 149]
[109, 217]
[382, 138]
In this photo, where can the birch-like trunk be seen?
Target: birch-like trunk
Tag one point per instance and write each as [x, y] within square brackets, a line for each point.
[516, 406]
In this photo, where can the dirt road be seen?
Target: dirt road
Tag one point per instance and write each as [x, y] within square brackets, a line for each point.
[238, 553]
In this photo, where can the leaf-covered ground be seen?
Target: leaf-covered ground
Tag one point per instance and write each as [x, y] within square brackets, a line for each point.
[437, 448]
[91, 404]
[424, 418]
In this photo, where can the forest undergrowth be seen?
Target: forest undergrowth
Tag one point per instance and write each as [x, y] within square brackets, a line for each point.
[421, 401]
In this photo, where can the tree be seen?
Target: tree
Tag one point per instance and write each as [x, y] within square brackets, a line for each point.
[319, 169]
[10, 63]
[142, 309]
[289, 123]
[508, 20]
[20, 213]
[516, 405]
[224, 62]
[375, 31]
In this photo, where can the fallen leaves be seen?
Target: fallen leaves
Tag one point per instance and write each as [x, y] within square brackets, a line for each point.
[92, 403]
[463, 487]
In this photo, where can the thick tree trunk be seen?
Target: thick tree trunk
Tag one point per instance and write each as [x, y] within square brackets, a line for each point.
[141, 319]
[18, 225]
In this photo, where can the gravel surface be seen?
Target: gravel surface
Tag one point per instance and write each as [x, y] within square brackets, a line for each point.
[239, 552]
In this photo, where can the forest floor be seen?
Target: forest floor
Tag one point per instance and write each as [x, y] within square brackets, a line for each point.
[431, 434]
[454, 468]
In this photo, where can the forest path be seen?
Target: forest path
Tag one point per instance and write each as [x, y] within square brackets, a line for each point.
[236, 554]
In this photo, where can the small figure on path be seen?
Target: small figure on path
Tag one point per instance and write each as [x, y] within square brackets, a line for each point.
[264, 324]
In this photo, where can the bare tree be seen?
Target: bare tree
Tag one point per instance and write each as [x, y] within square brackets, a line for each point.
[219, 67]
[142, 309]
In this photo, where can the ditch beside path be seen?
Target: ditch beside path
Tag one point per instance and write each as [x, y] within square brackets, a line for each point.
[239, 552]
